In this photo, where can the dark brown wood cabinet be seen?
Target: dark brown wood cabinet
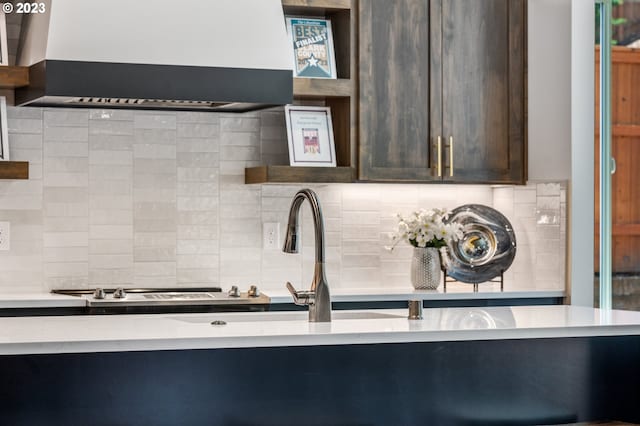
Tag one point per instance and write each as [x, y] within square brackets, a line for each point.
[442, 90]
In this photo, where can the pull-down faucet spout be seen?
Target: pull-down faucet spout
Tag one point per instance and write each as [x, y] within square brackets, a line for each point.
[317, 297]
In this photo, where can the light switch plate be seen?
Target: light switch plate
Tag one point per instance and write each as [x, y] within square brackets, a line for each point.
[271, 235]
[5, 236]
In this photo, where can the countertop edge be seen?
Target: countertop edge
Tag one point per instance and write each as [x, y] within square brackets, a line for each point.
[242, 342]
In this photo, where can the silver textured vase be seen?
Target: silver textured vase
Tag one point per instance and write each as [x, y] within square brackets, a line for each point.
[426, 271]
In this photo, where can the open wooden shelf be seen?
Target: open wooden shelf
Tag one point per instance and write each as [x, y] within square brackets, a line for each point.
[12, 77]
[338, 94]
[306, 6]
[322, 88]
[288, 174]
[14, 170]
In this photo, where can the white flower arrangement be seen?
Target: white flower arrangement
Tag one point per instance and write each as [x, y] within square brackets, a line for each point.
[426, 228]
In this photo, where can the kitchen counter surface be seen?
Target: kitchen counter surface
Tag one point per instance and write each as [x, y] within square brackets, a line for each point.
[118, 333]
[39, 300]
[455, 291]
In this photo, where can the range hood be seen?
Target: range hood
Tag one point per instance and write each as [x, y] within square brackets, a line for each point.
[203, 55]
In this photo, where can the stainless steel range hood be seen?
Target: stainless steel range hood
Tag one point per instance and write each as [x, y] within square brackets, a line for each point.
[204, 55]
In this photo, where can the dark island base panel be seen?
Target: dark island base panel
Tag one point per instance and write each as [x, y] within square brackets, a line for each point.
[508, 382]
[452, 303]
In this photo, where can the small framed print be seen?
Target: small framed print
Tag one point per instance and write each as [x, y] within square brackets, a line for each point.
[310, 135]
[4, 133]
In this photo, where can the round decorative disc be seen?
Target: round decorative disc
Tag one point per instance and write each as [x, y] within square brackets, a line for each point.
[488, 245]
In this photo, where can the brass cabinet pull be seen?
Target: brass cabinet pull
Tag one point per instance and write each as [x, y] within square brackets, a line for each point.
[439, 156]
[451, 156]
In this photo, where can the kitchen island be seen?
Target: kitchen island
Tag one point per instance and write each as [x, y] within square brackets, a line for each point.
[518, 365]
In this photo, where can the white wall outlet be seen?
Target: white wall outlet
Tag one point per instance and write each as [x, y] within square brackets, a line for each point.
[5, 236]
[271, 235]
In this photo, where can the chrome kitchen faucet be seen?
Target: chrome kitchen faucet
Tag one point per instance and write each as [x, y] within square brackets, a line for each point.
[317, 297]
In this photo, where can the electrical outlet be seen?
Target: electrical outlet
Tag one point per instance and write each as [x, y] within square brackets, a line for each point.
[5, 236]
[271, 235]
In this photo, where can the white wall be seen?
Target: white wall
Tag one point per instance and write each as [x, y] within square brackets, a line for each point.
[549, 90]
[581, 217]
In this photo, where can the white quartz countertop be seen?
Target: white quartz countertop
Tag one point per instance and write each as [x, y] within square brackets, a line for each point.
[39, 300]
[455, 291]
[109, 333]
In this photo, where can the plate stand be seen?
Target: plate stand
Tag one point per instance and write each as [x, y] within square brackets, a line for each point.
[500, 279]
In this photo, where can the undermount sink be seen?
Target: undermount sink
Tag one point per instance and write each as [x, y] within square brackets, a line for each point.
[283, 316]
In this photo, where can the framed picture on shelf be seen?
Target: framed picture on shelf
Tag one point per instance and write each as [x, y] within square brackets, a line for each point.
[310, 135]
[4, 52]
[312, 47]
[4, 132]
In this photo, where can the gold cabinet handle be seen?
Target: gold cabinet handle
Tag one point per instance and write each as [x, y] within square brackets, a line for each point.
[451, 156]
[439, 156]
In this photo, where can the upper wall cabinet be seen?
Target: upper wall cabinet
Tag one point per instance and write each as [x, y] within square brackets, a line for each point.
[442, 90]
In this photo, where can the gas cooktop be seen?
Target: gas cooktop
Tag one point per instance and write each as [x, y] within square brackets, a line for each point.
[191, 299]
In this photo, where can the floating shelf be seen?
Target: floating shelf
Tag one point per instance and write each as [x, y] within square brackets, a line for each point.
[288, 174]
[322, 88]
[12, 77]
[14, 170]
[329, 5]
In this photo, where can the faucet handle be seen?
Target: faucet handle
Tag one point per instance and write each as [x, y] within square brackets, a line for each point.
[301, 298]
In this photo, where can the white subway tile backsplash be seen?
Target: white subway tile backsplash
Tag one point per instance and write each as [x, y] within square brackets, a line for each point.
[198, 232]
[64, 224]
[158, 199]
[116, 158]
[18, 113]
[111, 277]
[20, 202]
[66, 149]
[197, 145]
[66, 269]
[25, 125]
[154, 151]
[66, 118]
[526, 195]
[33, 156]
[65, 134]
[188, 247]
[110, 261]
[110, 143]
[198, 117]
[111, 247]
[111, 114]
[202, 276]
[154, 254]
[159, 166]
[100, 172]
[197, 130]
[154, 121]
[26, 141]
[155, 239]
[239, 123]
[240, 139]
[156, 136]
[155, 269]
[110, 127]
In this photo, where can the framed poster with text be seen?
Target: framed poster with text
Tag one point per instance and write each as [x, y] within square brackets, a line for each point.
[310, 135]
[312, 46]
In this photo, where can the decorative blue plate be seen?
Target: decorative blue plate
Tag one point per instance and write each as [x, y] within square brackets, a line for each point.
[488, 245]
